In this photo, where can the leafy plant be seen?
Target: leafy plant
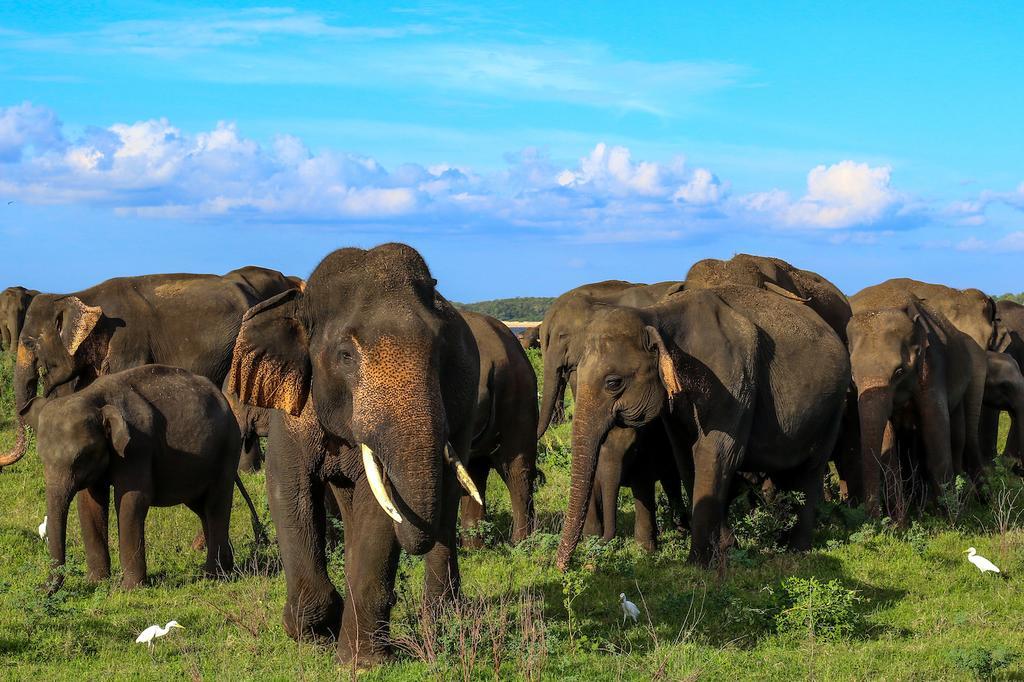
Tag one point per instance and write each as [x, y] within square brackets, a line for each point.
[765, 528]
[982, 662]
[807, 606]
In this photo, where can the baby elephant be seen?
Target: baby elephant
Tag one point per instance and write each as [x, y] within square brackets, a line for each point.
[160, 436]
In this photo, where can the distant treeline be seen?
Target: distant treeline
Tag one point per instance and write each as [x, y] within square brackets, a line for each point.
[522, 309]
[1016, 298]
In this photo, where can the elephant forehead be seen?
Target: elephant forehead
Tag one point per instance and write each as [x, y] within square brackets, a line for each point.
[392, 373]
[24, 357]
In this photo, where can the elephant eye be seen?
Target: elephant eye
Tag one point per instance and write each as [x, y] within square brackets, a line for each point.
[898, 372]
[613, 382]
[346, 357]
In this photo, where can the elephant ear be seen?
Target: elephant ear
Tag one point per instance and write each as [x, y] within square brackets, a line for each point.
[270, 365]
[76, 321]
[117, 429]
[666, 366]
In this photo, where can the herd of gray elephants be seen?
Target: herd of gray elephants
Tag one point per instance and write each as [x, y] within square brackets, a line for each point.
[384, 404]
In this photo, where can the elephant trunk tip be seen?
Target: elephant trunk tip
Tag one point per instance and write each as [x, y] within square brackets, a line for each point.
[19, 449]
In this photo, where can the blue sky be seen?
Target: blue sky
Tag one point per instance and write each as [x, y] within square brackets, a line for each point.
[524, 148]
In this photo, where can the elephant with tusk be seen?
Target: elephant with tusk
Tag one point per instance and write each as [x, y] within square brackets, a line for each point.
[372, 376]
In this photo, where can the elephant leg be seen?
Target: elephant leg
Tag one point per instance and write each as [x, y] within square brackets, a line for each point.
[936, 436]
[957, 440]
[517, 466]
[251, 459]
[473, 513]
[609, 506]
[371, 562]
[593, 524]
[93, 515]
[988, 432]
[442, 580]
[220, 560]
[313, 606]
[645, 527]
[1014, 448]
[976, 462]
[808, 482]
[715, 456]
[673, 487]
[132, 507]
[333, 537]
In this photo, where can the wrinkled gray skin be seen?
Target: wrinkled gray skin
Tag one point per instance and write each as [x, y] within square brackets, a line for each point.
[161, 437]
[370, 353]
[14, 302]
[561, 339]
[913, 371]
[727, 372]
[505, 432]
[778, 276]
[1004, 391]
[1010, 319]
[253, 421]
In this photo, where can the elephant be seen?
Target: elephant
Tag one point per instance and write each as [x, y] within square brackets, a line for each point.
[623, 462]
[727, 371]
[1004, 390]
[505, 434]
[134, 431]
[565, 322]
[14, 301]
[182, 320]
[266, 283]
[530, 338]
[913, 370]
[778, 276]
[373, 376]
[1010, 319]
[637, 458]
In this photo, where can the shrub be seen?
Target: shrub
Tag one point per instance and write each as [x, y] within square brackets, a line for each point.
[821, 610]
[765, 528]
[981, 662]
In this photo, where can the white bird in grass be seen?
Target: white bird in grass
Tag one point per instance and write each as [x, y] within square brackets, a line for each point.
[153, 631]
[983, 564]
[629, 609]
[42, 529]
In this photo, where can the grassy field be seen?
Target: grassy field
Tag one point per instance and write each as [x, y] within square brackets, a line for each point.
[871, 601]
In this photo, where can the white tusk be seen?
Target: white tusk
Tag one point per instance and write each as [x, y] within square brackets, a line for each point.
[376, 481]
[462, 474]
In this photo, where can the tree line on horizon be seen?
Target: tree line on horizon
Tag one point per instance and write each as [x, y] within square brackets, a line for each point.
[520, 308]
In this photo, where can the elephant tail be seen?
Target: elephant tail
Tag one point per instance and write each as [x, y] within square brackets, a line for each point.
[259, 534]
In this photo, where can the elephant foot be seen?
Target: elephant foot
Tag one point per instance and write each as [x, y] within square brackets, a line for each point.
[366, 655]
[316, 623]
[471, 542]
[130, 582]
[97, 576]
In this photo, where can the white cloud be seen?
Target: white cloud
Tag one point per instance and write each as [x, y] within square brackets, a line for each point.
[157, 170]
[845, 194]
[25, 125]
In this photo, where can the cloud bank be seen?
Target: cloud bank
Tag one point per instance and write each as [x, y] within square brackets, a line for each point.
[154, 169]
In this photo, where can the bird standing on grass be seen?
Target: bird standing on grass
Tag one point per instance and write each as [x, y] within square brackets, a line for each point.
[42, 529]
[983, 564]
[153, 631]
[629, 609]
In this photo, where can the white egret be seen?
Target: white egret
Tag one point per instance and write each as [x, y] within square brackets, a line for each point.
[983, 564]
[42, 529]
[629, 609]
[153, 631]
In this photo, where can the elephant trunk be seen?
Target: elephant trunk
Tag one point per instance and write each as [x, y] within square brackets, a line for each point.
[874, 406]
[26, 378]
[554, 391]
[58, 501]
[588, 432]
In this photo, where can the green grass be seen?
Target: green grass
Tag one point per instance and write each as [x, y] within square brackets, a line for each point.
[917, 609]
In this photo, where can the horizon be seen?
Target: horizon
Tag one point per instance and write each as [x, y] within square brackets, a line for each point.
[523, 150]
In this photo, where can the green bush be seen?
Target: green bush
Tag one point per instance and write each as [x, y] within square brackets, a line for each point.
[765, 528]
[982, 662]
[806, 606]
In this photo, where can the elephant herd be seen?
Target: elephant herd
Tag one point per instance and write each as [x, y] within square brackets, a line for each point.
[383, 403]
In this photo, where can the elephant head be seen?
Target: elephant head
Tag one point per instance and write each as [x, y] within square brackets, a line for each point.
[62, 340]
[886, 349]
[742, 269]
[75, 445]
[624, 378]
[365, 349]
[14, 301]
